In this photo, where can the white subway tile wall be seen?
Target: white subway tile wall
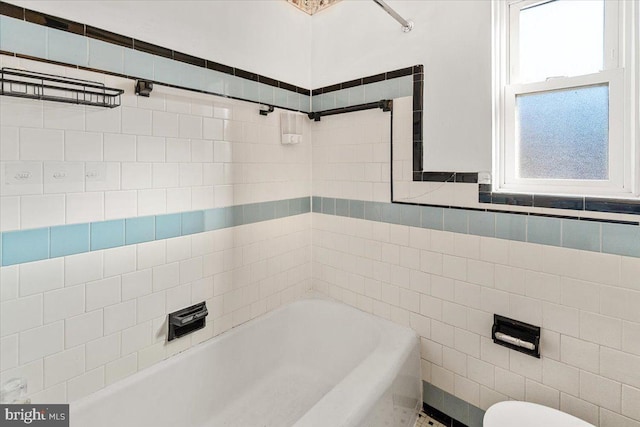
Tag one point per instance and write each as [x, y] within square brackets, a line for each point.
[447, 286]
[245, 163]
[351, 155]
[74, 324]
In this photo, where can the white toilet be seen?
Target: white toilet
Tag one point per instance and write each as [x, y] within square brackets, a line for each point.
[525, 414]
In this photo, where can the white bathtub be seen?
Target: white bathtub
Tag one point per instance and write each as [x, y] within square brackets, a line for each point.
[310, 363]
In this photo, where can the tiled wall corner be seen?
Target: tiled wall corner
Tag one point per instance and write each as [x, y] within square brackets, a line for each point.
[354, 166]
[445, 272]
[170, 200]
[362, 94]
[184, 197]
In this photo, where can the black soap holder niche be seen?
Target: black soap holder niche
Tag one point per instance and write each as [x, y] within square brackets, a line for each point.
[516, 335]
[187, 320]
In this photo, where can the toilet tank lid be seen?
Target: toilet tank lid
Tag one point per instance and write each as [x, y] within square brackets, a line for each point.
[525, 414]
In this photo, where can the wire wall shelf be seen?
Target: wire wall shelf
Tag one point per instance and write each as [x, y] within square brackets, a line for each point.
[47, 87]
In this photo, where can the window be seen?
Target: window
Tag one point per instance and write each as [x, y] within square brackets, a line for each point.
[565, 105]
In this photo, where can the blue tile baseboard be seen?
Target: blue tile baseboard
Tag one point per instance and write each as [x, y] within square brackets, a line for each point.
[619, 238]
[22, 246]
[449, 409]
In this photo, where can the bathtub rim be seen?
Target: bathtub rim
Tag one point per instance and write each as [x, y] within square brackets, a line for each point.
[383, 324]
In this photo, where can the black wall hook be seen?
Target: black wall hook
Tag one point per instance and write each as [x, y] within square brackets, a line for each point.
[144, 87]
[266, 109]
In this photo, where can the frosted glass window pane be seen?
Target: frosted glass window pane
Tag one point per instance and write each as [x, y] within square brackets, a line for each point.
[561, 38]
[564, 134]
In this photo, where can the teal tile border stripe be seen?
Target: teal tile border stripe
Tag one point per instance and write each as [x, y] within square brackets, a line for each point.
[50, 44]
[22, 246]
[46, 43]
[371, 92]
[594, 236]
[451, 405]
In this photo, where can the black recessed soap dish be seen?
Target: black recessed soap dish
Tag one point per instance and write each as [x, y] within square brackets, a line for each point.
[516, 335]
[187, 320]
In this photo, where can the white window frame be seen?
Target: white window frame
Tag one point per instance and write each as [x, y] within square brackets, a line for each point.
[620, 74]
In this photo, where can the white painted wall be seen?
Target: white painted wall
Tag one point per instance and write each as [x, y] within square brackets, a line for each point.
[451, 38]
[266, 37]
